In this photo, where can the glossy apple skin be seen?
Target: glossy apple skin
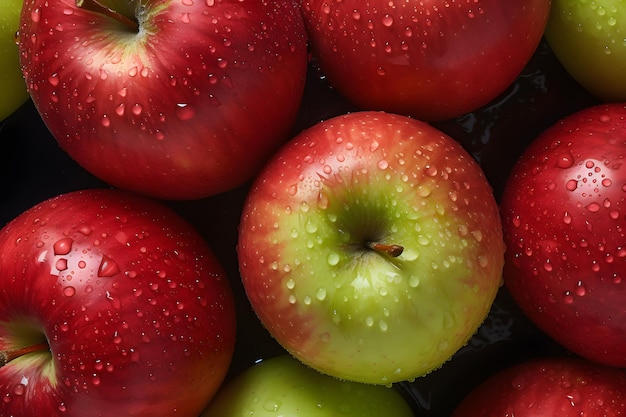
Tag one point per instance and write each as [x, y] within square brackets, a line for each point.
[12, 84]
[433, 60]
[552, 386]
[564, 226]
[137, 311]
[354, 313]
[593, 30]
[284, 386]
[189, 107]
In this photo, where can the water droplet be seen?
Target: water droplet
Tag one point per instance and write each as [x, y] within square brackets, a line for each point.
[593, 207]
[69, 291]
[61, 264]
[382, 325]
[108, 267]
[184, 111]
[333, 259]
[430, 170]
[321, 294]
[414, 281]
[272, 405]
[19, 389]
[54, 79]
[565, 161]
[387, 20]
[571, 185]
[63, 246]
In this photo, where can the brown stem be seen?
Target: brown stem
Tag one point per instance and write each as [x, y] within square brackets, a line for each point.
[96, 6]
[7, 356]
[391, 250]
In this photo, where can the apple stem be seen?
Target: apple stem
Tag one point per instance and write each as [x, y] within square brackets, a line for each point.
[391, 250]
[96, 6]
[7, 356]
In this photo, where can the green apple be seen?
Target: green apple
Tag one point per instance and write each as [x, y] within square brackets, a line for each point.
[371, 247]
[589, 39]
[12, 86]
[283, 386]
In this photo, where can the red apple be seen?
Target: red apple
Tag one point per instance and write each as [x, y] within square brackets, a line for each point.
[555, 387]
[110, 305]
[371, 247]
[175, 99]
[434, 60]
[563, 211]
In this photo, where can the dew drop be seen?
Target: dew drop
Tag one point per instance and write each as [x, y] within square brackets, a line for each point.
[571, 185]
[63, 246]
[272, 405]
[593, 207]
[414, 281]
[61, 264]
[69, 291]
[565, 161]
[19, 389]
[108, 267]
[333, 259]
[430, 170]
[387, 20]
[184, 111]
[321, 294]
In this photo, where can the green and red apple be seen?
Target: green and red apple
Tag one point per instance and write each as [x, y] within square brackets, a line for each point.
[371, 247]
[283, 386]
[12, 87]
[588, 37]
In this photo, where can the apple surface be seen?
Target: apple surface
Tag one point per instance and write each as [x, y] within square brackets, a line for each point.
[563, 219]
[552, 386]
[172, 99]
[371, 247]
[433, 60]
[284, 386]
[110, 305]
[588, 39]
[12, 84]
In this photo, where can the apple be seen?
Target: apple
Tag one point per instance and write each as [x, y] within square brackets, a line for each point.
[588, 39]
[564, 226]
[284, 386]
[173, 99]
[433, 60]
[110, 305]
[552, 386]
[12, 84]
[370, 247]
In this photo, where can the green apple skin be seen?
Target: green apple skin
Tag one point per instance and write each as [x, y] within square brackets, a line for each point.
[12, 83]
[338, 305]
[283, 386]
[588, 38]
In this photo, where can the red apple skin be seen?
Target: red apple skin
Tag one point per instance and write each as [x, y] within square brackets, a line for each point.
[554, 386]
[137, 311]
[191, 107]
[433, 60]
[564, 225]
